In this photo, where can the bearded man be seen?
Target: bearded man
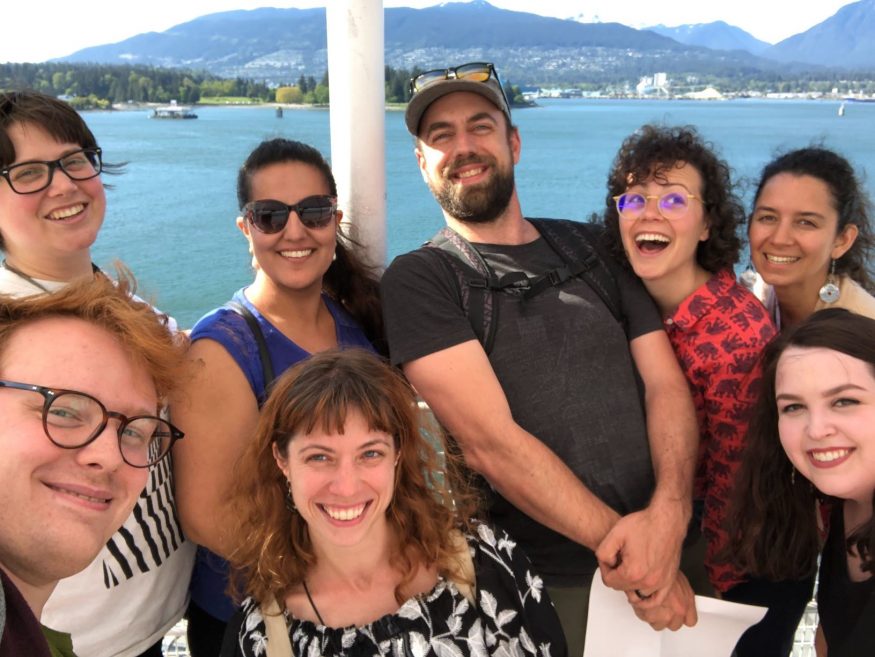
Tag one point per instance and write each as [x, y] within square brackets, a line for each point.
[548, 409]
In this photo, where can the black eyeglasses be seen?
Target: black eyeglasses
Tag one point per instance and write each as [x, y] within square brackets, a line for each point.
[74, 419]
[270, 216]
[34, 176]
[671, 205]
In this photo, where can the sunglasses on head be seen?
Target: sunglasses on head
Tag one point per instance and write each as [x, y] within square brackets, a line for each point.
[270, 216]
[475, 72]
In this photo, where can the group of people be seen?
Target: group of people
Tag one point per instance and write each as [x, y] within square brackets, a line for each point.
[615, 403]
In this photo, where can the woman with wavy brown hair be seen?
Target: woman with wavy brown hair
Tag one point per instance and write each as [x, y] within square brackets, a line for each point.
[351, 536]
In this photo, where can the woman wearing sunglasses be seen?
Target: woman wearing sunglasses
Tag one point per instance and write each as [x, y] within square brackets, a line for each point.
[810, 236]
[311, 292]
[673, 217]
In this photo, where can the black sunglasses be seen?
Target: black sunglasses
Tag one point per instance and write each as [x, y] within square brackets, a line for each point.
[475, 72]
[271, 216]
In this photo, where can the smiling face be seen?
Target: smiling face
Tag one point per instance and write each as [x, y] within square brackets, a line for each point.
[661, 249]
[794, 233]
[466, 156]
[58, 507]
[826, 420]
[56, 223]
[297, 257]
[342, 484]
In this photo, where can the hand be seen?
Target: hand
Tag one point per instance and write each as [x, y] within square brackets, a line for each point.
[677, 610]
[641, 553]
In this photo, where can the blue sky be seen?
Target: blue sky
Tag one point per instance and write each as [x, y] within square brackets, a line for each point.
[36, 31]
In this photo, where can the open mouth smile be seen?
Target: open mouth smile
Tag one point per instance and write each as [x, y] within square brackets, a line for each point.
[344, 513]
[302, 253]
[651, 242]
[828, 458]
[65, 213]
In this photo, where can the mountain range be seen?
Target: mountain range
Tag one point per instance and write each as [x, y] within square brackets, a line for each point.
[279, 45]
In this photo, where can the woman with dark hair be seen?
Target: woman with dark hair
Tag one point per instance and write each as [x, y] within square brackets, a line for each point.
[52, 206]
[810, 236]
[52, 202]
[311, 292]
[351, 536]
[815, 421]
[673, 217]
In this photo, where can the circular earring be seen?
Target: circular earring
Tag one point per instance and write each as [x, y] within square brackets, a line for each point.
[830, 292]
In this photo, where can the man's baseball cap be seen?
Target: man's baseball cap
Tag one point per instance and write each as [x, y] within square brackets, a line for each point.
[476, 77]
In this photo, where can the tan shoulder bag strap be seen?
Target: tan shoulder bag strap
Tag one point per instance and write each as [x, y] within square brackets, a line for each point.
[278, 642]
[467, 583]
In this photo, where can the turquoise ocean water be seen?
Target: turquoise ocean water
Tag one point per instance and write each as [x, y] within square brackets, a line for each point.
[170, 216]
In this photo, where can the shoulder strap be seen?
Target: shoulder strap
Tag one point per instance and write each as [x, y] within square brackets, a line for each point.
[466, 580]
[278, 642]
[258, 334]
[475, 280]
[571, 240]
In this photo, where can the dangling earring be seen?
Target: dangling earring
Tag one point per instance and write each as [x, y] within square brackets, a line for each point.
[748, 277]
[830, 292]
[290, 501]
[792, 476]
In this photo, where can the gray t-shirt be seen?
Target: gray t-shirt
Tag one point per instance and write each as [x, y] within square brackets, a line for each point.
[564, 364]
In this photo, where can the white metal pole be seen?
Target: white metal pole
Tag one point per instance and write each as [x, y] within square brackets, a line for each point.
[358, 118]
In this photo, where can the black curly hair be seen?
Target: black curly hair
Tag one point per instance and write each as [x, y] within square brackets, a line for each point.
[848, 198]
[651, 151]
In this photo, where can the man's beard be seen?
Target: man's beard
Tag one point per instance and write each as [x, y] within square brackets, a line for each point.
[477, 204]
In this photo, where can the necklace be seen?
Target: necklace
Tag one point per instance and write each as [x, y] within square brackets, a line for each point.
[312, 604]
[15, 270]
[24, 276]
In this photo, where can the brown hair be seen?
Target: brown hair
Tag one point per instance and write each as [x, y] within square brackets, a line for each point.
[772, 520]
[54, 116]
[111, 306]
[847, 195]
[271, 545]
[650, 152]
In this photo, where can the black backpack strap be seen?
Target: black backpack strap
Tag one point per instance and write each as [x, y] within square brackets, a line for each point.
[263, 353]
[576, 244]
[475, 279]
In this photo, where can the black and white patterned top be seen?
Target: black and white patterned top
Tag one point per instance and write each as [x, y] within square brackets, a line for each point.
[514, 617]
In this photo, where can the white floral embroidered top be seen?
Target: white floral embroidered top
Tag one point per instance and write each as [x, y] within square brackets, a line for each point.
[513, 616]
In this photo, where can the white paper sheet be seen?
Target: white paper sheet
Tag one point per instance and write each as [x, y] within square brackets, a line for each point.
[613, 629]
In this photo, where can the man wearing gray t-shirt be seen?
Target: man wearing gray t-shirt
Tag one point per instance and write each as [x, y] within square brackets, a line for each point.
[581, 473]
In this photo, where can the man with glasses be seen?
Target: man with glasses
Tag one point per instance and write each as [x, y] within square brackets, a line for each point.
[83, 374]
[550, 414]
[52, 206]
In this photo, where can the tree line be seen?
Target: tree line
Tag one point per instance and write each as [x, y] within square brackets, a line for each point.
[88, 86]
[100, 85]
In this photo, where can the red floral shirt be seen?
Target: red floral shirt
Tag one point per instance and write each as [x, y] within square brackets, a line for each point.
[718, 333]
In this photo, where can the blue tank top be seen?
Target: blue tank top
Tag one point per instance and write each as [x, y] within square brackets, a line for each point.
[210, 578]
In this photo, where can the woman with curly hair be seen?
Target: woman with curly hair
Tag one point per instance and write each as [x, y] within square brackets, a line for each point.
[673, 217]
[810, 236]
[350, 537]
[815, 422]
